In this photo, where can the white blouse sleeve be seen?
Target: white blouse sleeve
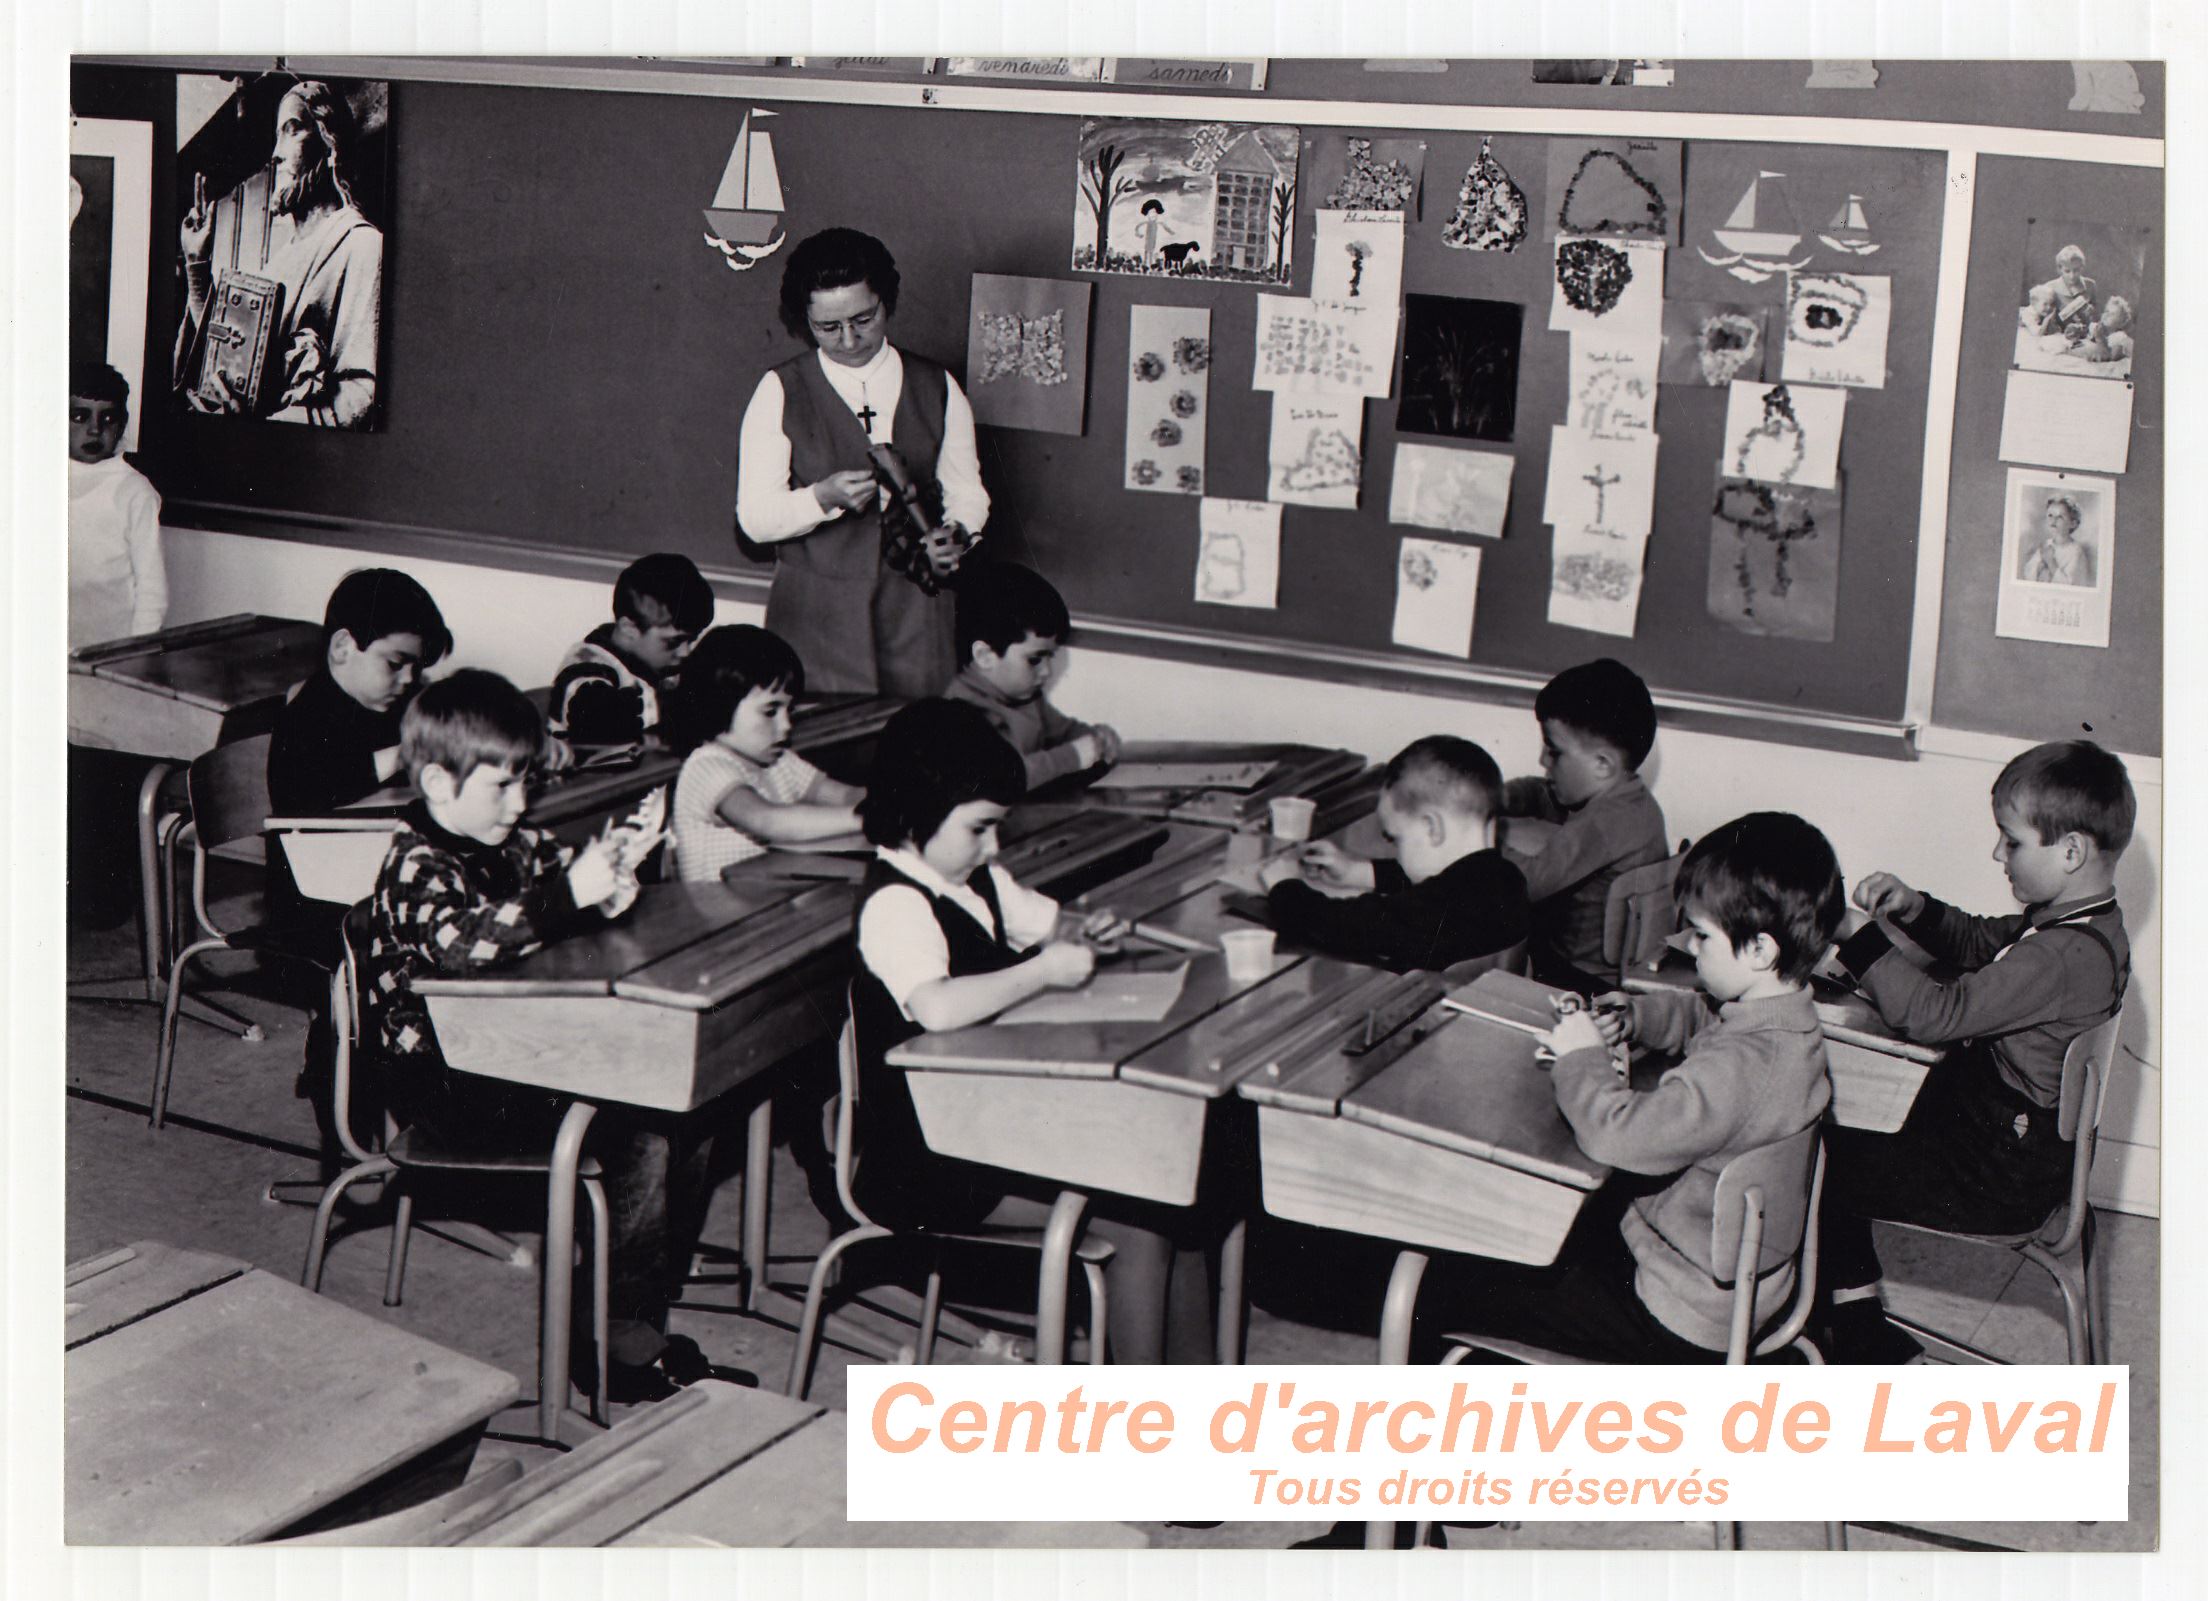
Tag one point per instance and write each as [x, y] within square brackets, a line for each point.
[958, 465]
[1030, 917]
[768, 507]
[901, 943]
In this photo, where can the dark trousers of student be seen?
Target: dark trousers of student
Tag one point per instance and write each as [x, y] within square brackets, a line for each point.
[1974, 1157]
[654, 1172]
[103, 828]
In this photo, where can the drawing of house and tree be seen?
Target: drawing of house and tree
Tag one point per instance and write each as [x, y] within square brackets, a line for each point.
[1186, 199]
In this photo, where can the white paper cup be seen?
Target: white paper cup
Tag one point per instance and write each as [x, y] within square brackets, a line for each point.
[1249, 954]
[1292, 817]
[1245, 848]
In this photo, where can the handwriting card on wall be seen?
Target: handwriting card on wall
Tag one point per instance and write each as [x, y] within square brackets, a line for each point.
[1357, 257]
[1836, 327]
[1784, 433]
[1615, 188]
[2058, 558]
[1613, 386]
[1437, 590]
[1238, 554]
[2057, 421]
[1605, 485]
[1027, 352]
[1324, 347]
[1316, 455]
[1712, 342]
[1460, 367]
[1168, 397]
[1462, 491]
[1595, 581]
[1608, 285]
[1775, 559]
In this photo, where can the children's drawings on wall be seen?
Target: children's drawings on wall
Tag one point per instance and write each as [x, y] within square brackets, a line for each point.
[1836, 327]
[1842, 74]
[1316, 456]
[1353, 173]
[1168, 397]
[1437, 590]
[1357, 258]
[2107, 86]
[1462, 491]
[1711, 342]
[1323, 347]
[2081, 298]
[1614, 188]
[1613, 386]
[2060, 421]
[1609, 284]
[2058, 558]
[1600, 485]
[1595, 581]
[1491, 208]
[1759, 237]
[1784, 434]
[1185, 199]
[1238, 553]
[1027, 352]
[1460, 367]
[1775, 559]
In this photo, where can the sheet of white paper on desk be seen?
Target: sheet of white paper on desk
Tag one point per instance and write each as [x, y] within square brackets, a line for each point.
[1613, 384]
[1357, 257]
[1600, 485]
[1461, 491]
[1836, 326]
[1235, 777]
[1437, 591]
[2052, 420]
[1506, 998]
[1238, 553]
[1324, 347]
[1109, 997]
[1316, 454]
[1612, 285]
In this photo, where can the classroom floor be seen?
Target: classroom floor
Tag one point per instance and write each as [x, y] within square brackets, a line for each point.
[235, 1125]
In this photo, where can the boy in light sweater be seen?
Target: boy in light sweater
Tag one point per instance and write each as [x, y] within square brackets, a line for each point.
[1011, 624]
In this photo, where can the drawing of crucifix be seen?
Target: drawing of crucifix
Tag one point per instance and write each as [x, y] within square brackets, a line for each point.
[1601, 484]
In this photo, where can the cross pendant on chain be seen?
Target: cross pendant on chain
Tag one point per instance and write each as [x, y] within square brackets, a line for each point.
[866, 415]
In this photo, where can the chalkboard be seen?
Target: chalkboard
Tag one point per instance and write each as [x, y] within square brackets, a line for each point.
[566, 359]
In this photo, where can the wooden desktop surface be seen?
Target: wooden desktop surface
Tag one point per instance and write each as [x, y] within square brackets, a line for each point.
[1339, 780]
[178, 693]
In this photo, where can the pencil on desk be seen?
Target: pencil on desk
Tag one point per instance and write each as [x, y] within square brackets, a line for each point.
[1171, 940]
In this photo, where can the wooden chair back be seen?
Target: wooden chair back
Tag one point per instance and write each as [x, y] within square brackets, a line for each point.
[346, 1023]
[1765, 1214]
[847, 1115]
[1640, 914]
[2085, 1072]
[229, 793]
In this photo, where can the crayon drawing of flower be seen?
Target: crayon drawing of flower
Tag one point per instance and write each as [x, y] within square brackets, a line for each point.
[1183, 403]
[1145, 472]
[1149, 367]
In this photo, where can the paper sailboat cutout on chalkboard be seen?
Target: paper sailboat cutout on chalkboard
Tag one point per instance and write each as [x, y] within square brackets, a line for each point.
[1760, 234]
[1851, 230]
[745, 219]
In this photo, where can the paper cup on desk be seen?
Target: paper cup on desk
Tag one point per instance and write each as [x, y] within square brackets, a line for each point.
[1249, 954]
[1292, 816]
[1245, 848]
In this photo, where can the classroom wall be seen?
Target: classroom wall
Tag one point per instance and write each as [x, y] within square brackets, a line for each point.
[1927, 820]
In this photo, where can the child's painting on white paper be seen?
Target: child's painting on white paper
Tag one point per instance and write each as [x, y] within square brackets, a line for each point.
[1357, 257]
[1609, 285]
[1168, 397]
[1836, 326]
[1784, 433]
[1238, 553]
[1613, 386]
[1437, 590]
[1595, 582]
[1712, 342]
[1186, 199]
[1323, 347]
[1775, 559]
[1316, 454]
[1600, 485]
[1461, 491]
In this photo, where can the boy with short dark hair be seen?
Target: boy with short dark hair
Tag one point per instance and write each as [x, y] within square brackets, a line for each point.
[1011, 626]
[609, 687]
[465, 889]
[1981, 1152]
[117, 584]
[1447, 896]
[1598, 725]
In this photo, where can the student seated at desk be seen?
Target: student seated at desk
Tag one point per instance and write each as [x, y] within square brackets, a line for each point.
[1448, 895]
[1597, 727]
[1763, 896]
[463, 890]
[1011, 625]
[609, 687]
[947, 939]
[1980, 1152]
[742, 788]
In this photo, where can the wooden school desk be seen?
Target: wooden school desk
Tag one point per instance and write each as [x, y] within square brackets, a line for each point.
[1342, 783]
[174, 696]
[208, 1403]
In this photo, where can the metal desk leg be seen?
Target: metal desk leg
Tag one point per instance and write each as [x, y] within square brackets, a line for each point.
[1233, 1297]
[152, 904]
[559, 1269]
[758, 1196]
[1395, 1350]
[1059, 1235]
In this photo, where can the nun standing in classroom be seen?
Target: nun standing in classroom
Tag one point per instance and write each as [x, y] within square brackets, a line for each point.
[863, 607]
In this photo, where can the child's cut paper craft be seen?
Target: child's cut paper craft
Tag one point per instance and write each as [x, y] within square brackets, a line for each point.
[1760, 236]
[1235, 777]
[1168, 397]
[1615, 286]
[1027, 352]
[1775, 559]
[1460, 367]
[1614, 188]
[1350, 172]
[1491, 208]
[2058, 558]
[1595, 582]
[1316, 455]
[1613, 386]
[1112, 995]
[1842, 74]
[1324, 347]
[1462, 491]
[2081, 299]
[1836, 326]
[1357, 257]
[1185, 199]
[2107, 86]
[1784, 434]
[2056, 421]
[1711, 342]
[1437, 589]
[1238, 555]
[1603, 486]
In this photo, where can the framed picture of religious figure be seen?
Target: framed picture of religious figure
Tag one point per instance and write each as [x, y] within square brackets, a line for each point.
[283, 190]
